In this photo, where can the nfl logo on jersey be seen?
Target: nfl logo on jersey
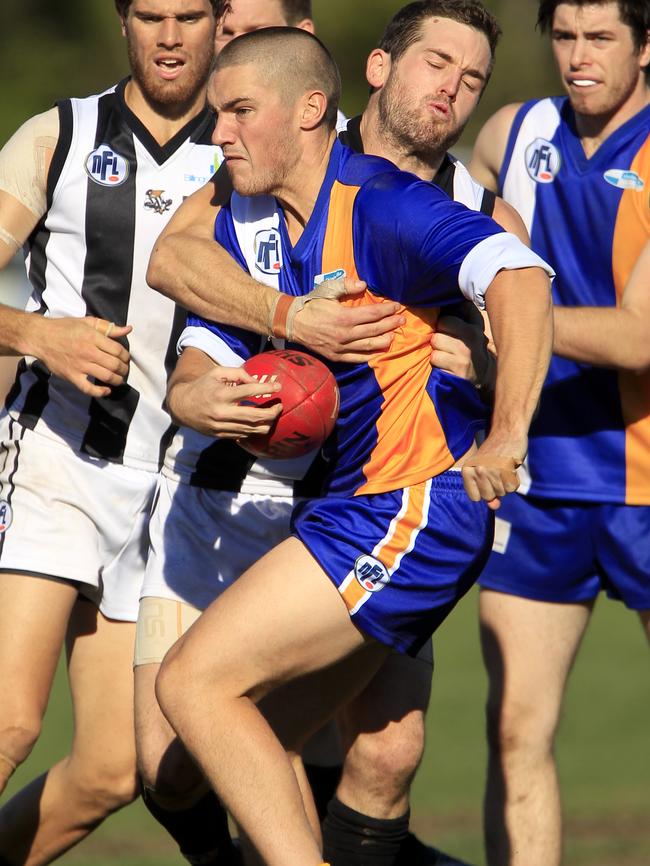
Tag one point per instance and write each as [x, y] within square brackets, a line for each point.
[268, 253]
[542, 161]
[106, 167]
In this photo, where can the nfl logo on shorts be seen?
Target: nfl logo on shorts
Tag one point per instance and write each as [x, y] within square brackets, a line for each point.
[6, 515]
[371, 573]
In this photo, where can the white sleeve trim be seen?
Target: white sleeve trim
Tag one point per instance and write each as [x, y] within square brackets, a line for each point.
[208, 342]
[341, 121]
[499, 252]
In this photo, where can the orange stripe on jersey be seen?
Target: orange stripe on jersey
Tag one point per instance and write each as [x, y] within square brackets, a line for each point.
[411, 444]
[631, 233]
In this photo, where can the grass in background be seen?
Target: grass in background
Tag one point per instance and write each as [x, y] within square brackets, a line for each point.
[603, 752]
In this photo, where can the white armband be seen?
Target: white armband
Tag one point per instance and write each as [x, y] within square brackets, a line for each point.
[503, 251]
[213, 346]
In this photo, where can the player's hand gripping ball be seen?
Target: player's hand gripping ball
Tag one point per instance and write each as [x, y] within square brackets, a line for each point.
[310, 403]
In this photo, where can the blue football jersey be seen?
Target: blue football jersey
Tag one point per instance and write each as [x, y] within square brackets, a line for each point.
[589, 218]
[401, 421]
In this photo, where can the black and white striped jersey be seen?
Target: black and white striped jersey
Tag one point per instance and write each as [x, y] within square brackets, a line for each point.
[111, 190]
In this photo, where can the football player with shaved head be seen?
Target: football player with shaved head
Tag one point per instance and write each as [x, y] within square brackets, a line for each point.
[87, 187]
[300, 632]
[438, 52]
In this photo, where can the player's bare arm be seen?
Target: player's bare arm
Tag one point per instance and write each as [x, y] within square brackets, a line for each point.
[207, 397]
[519, 306]
[490, 147]
[616, 337]
[462, 344]
[189, 267]
[509, 219]
[76, 349]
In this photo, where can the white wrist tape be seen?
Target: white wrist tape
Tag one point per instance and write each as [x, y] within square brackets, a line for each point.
[329, 288]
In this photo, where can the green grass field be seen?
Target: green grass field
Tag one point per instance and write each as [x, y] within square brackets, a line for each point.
[603, 751]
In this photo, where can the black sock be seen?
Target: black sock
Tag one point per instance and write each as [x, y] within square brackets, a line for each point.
[353, 839]
[324, 782]
[201, 831]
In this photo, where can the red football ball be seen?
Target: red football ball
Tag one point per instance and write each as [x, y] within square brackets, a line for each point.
[310, 403]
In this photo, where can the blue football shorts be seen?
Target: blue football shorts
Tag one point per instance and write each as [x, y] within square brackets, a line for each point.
[568, 551]
[401, 560]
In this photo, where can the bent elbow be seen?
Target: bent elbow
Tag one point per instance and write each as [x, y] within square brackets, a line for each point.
[155, 275]
[633, 348]
[638, 363]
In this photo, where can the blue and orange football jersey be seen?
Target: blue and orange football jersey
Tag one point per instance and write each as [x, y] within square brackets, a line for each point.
[589, 218]
[401, 421]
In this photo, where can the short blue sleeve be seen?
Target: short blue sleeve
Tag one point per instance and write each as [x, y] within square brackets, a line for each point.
[410, 239]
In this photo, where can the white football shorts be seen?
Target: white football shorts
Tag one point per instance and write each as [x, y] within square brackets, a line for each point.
[70, 517]
[202, 540]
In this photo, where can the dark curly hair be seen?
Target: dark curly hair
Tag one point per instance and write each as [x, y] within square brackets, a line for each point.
[634, 13]
[405, 27]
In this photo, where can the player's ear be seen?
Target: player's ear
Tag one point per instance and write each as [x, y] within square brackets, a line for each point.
[123, 25]
[645, 52]
[306, 24]
[314, 107]
[377, 68]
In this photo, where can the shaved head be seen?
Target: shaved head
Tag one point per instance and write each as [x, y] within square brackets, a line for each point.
[290, 60]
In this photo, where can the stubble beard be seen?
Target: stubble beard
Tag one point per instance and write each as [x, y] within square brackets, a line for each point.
[272, 180]
[403, 123]
[605, 105]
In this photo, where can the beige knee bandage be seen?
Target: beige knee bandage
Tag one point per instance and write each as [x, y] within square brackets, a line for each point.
[161, 621]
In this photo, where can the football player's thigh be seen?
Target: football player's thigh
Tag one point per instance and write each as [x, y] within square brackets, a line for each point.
[101, 681]
[529, 647]
[34, 614]
[282, 619]
[320, 694]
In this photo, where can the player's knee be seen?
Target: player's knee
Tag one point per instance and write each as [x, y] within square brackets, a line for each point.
[171, 776]
[149, 768]
[99, 791]
[152, 748]
[171, 684]
[181, 791]
[16, 743]
[515, 729]
[388, 759]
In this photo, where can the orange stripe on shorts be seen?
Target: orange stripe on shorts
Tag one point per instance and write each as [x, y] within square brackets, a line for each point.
[398, 541]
